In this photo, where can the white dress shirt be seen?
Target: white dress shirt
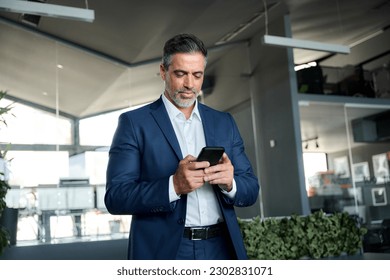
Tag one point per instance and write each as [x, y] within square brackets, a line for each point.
[202, 205]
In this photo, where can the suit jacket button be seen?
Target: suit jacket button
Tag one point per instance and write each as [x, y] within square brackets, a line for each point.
[180, 221]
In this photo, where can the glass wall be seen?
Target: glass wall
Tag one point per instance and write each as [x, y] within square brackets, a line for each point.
[57, 151]
[369, 130]
[59, 196]
[356, 141]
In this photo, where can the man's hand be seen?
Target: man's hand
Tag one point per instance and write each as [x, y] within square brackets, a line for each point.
[221, 174]
[189, 175]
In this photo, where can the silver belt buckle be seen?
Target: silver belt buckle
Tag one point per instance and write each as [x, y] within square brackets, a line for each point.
[193, 233]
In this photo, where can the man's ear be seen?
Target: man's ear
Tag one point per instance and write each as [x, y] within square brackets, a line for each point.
[162, 72]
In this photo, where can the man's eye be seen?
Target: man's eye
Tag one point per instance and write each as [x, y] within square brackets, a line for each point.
[179, 74]
[198, 75]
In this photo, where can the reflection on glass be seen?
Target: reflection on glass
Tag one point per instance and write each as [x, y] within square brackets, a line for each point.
[370, 147]
[356, 142]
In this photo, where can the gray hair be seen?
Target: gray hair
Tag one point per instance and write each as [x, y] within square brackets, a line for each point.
[182, 43]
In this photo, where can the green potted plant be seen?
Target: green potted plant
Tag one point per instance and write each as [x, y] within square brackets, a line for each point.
[315, 236]
[4, 186]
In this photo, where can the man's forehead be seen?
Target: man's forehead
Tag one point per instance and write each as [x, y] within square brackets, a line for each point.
[188, 60]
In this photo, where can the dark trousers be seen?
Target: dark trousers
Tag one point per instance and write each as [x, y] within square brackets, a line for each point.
[216, 248]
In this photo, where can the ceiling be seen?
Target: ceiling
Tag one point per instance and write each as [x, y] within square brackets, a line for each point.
[113, 62]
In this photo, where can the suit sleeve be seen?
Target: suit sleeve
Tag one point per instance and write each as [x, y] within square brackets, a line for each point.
[127, 191]
[246, 181]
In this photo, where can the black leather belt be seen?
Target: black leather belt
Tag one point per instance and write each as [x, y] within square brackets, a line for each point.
[203, 233]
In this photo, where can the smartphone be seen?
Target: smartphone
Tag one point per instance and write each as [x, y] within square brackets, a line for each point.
[211, 154]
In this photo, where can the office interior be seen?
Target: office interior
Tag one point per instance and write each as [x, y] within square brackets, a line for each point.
[316, 124]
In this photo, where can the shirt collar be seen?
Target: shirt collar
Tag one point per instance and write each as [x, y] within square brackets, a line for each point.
[173, 112]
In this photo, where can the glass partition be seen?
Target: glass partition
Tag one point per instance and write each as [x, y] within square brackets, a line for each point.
[57, 181]
[324, 133]
[369, 128]
[356, 141]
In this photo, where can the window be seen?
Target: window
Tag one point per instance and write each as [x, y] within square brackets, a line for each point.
[313, 163]
[29, 125]
[33, 168]
[99, 130]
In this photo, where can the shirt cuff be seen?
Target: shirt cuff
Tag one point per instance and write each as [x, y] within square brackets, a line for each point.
[233, 191]
[172, 194]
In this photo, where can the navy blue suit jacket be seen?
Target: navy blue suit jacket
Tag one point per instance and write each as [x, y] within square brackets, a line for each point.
[144, 154]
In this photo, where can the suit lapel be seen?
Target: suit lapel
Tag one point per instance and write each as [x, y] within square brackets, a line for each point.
[160, 115]
[208, 122]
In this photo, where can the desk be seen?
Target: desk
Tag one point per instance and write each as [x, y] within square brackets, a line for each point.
[67, 201]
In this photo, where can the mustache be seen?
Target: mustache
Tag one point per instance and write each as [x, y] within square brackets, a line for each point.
[184, 90]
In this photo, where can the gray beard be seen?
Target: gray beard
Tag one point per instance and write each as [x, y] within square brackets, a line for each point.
[183, 103]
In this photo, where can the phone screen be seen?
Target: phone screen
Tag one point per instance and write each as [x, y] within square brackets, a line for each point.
[211, 154]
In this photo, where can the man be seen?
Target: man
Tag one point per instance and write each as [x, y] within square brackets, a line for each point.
[181, 208]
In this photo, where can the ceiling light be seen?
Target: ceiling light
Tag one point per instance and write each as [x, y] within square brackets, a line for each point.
[306, 141]
[304, 44]
[305, 65]
[50, 10]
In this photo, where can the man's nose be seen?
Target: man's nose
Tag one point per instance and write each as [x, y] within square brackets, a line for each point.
[189, 82]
